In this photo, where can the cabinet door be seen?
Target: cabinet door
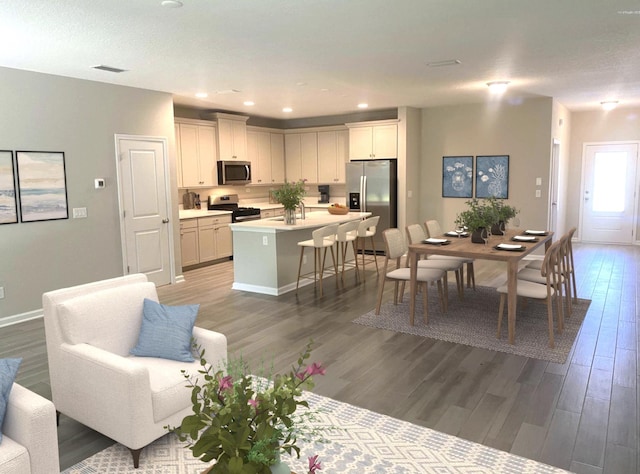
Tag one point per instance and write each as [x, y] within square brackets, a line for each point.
[342, 157]
[385, 141]
[327, 157]
[263, 158]
[293, 156]
[189, 245]
[207, 156]
[239, 134]
[309, 157]
[189, 155]
[253, 154]
[206, 243]
[232, 135]
[224, 241]
[277, 158]
[360, 142]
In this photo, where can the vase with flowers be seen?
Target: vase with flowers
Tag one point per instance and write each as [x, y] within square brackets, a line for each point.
[290, 195]
[244, 422]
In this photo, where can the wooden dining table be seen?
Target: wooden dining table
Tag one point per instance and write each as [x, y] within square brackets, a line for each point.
[463, 247]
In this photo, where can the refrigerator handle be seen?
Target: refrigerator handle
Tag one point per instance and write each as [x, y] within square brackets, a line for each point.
[363, 195]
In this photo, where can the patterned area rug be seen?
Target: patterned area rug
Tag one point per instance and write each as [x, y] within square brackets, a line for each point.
[474, 322]
[361, 442]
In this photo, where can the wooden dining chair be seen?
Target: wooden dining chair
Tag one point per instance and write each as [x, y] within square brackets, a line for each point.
[549, 292]
[395, 249]
[434, 230]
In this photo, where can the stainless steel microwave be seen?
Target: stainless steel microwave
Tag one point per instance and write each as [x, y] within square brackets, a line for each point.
[234, 172]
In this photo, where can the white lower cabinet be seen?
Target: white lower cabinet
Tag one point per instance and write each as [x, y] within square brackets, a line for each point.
[267, 213]
[205, 239]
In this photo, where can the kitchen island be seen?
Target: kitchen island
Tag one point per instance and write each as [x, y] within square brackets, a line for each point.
[266, 252]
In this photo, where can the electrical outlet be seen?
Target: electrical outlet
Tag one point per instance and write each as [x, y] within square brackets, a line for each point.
[265, 240]
[1, 292]
[538, 181]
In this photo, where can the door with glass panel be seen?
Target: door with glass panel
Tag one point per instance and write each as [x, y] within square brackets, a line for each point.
[608, 195]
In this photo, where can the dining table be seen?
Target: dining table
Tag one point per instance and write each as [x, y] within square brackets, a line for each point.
[502, 248]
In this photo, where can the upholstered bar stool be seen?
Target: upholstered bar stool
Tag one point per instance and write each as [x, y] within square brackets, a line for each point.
[367, 229]
[434, 230]
[322, 239]
[347, 234]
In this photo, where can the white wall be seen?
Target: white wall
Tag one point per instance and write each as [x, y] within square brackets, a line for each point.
[521, 131]
[50, 113]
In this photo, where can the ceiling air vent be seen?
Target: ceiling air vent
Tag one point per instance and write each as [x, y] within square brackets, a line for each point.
[102, 67]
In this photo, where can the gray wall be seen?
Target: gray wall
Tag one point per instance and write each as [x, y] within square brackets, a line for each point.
[50, 113]
[521, 131]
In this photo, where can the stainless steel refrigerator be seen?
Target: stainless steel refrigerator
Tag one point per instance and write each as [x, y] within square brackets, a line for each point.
[372, 187]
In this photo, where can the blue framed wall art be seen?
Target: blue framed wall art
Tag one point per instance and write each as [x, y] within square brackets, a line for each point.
[492, 176]
[457, 176]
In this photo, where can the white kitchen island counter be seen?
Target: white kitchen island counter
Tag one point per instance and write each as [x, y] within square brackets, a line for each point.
[266, 252]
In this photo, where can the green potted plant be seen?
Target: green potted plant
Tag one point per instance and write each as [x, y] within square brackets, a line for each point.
[478, 218]
[290, 195]
[244, 421]
[503, 212]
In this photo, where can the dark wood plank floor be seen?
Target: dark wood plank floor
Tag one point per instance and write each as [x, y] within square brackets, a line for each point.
[582, 415]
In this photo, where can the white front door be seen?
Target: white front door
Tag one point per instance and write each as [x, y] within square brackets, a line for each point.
[608, 193]
[144, 206]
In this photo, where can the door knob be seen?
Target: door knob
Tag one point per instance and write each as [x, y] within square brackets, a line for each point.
[165, 221]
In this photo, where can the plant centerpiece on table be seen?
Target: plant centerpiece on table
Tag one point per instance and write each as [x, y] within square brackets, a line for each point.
[244, 422]
[478, 218]
[290, 195]
[503, 212]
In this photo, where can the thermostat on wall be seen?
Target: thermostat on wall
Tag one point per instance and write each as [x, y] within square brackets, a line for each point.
[99, 183]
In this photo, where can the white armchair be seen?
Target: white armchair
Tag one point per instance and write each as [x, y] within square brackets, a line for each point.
[90, 330]
[29, 435]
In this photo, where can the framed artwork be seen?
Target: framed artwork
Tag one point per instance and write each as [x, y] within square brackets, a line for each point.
[457, 176]
[42, 186]
[492, 176]
[8, 202]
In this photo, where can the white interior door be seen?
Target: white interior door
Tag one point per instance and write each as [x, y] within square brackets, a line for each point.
[144, 202]
[608, 200]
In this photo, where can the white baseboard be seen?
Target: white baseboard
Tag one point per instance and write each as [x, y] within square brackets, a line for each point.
[20, 318]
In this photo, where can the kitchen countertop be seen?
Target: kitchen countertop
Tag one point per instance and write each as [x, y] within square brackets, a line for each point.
[313, 220]
[195, 213]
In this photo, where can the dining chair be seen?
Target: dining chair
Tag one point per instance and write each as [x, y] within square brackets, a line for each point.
[415, 235]
[367, 230]
[395, 249]
[434, 230]
[547, 292]
[346, 234]
[322, 239]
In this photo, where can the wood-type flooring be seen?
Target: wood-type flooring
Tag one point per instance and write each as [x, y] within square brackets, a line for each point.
[582, 415]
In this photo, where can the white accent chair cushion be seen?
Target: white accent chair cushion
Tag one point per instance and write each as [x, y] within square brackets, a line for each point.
[90, 330]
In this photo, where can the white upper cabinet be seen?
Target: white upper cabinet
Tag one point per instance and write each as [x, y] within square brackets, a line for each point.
[266, 153]
[277, 158]
[333, 148]
[301, 156]
[232, 137]
[373, 141]
[197, 155]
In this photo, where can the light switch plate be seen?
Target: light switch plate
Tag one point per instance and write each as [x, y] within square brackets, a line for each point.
[538, 181]
[79, 212]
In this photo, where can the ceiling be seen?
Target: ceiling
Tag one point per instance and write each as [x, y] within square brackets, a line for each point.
[323, 57]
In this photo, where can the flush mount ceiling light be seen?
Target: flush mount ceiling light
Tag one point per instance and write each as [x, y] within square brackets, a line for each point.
[202, 95]
[249, 103]
[363, 105]
[287, 110]
[171, 3]
[609, 104]
[498, 87]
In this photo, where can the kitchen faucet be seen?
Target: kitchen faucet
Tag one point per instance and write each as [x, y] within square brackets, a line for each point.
[301, 206]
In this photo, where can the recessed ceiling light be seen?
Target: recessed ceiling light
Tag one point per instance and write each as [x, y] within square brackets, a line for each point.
[287, 109]
[202, 95]
[171, 4]
[498, 86]
[249, 103]
[609, 104]
[363, 105]
[446, 62]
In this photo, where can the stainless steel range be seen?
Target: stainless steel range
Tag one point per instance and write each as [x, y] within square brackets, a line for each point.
[229, 202]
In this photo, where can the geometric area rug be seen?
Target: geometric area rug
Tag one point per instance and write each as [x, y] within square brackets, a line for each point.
[473, 321]
[362, 442]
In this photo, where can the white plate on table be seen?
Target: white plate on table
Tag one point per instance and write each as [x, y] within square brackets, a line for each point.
[535, 232]
[433, 241]
[452, 233]
[524, 238]
[511, 247]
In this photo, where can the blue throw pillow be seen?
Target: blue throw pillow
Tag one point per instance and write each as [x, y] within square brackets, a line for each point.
[8, 371]
[166, 331]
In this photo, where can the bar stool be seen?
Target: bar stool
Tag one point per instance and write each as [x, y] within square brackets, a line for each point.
[322, 239]
[434, 230]
[367, 229]
[347, 233]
